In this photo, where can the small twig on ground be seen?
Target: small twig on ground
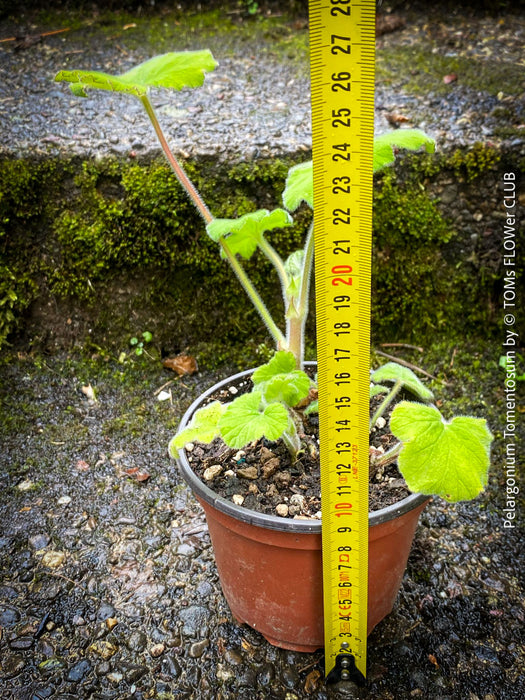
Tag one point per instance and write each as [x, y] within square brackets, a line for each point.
[311, 665]
[69, 580]
[33, 38]
[157, 392]
[415, 368]
[402, 345]
[411, 628]
[122, 50]
[453, 357]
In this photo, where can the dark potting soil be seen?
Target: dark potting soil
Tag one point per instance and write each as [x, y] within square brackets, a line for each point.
[263, 477]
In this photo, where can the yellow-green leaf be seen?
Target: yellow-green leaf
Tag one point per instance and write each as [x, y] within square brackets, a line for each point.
[393, 372]
[246, 419]
[245, 233]
[447, 459]
[411, 139]
[174, 70]
[204, 427]
[299, 186]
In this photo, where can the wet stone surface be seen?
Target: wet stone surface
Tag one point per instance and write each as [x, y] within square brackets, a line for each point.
[257, 102]
[115, 594]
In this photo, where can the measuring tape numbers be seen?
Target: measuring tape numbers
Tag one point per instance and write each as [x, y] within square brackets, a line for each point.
[342, 46]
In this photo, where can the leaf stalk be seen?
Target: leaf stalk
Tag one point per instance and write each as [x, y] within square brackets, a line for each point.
[386, 403]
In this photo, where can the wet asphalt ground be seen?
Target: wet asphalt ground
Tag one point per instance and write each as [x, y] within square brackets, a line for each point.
[109, 588]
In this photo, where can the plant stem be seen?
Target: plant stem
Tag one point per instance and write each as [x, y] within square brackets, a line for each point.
[184, 180]
[276, 260]
[389, 456]
[256, 300]
[294, 334]
[386, 403]
[307, 272]
[197, 200]
[296, 322]
[293, 444]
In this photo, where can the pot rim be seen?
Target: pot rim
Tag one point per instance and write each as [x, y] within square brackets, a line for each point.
[272, 522]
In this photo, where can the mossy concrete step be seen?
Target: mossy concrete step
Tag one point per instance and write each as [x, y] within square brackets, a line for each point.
[99, 242]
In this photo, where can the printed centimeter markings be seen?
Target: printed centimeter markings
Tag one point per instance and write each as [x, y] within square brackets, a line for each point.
[342, 61]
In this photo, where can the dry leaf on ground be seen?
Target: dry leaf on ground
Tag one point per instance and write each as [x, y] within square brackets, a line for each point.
[181, 364]
[135, 473]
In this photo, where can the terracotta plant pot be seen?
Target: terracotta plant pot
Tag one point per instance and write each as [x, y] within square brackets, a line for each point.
[270, 567]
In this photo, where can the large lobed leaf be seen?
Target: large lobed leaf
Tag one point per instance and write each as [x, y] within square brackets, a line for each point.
[300, 184]
[246, 420]
[245, 233]
[393, 372]
[447, 459]
[175, 70]
[279, 380]
[411, 139]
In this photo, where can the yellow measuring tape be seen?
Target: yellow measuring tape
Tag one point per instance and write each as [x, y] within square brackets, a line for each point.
[342, 46]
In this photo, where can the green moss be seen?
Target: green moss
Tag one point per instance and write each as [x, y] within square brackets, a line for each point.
[223, 29]
[11, 302]
[508, 132]
[469, 164]
[124, 426]
[27, 200]
[408, 271]
[72, 429]
[114, 225]
[428, 277]
[421, 70]
[464, 164]
[126, 231]
[117, 247]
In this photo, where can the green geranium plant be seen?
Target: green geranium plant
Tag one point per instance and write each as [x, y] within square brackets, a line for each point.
[435, 456]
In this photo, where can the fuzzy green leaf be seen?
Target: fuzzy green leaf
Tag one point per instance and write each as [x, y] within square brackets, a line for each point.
[279, 380]
[281, 363]
[392, 372]
[447, 459]
[288, 388]
[245, 233]
[411, 139]
[294, 269]
[299, 186]
[204, 427]
[376, 389]
[175, 70]
[246, 420]
[312, 408]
